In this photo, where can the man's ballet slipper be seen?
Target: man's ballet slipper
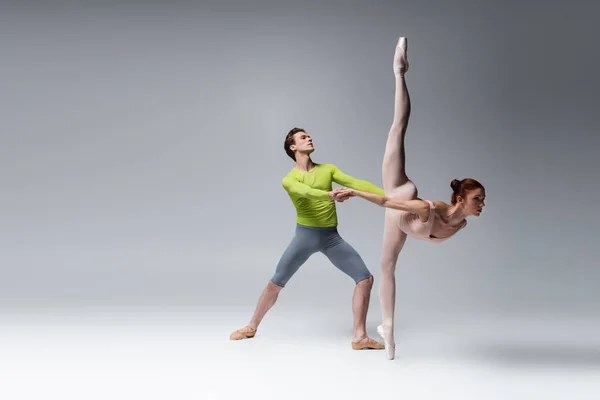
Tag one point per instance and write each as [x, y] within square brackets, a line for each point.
[239, 335]
[369, 344]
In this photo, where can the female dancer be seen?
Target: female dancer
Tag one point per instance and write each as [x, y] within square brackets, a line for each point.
[405, 213]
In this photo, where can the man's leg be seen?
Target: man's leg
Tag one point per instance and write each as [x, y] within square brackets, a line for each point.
[298, 251]
[265, 302]
[360, 307]
[347, 259]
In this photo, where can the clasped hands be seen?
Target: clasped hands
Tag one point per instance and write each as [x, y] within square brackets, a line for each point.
[341, 194]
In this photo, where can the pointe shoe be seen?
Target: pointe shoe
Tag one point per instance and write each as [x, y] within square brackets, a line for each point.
[239, 334]
[370, 344]
[400, 57]
[390, 348]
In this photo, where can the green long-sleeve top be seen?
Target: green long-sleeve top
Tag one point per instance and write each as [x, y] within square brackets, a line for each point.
[309, 192]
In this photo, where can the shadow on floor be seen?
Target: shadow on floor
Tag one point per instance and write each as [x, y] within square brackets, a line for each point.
[535, 355]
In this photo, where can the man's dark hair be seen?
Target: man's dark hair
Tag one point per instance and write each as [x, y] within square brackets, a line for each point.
[289, 140]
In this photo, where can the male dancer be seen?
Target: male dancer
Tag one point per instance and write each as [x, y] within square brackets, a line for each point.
[309, 187]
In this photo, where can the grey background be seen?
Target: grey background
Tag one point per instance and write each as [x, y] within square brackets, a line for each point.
[141, 150]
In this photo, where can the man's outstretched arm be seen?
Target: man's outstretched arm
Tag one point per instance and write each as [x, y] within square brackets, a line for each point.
[354, 183]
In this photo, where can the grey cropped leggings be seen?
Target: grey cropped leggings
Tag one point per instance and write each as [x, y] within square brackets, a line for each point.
[307, 241]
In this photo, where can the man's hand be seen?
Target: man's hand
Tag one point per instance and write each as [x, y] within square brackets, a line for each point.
[341, 194]
[333, 195]
[344, 194]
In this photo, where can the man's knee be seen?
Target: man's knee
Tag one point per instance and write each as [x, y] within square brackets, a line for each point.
[272, 287]
[366, 283]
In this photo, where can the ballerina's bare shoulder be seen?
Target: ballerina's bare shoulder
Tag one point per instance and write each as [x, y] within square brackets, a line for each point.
[442, 228]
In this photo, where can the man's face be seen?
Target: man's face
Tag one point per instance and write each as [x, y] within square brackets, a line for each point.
[302, 143]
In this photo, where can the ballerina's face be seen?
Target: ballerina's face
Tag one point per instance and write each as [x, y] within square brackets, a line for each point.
[474, 202]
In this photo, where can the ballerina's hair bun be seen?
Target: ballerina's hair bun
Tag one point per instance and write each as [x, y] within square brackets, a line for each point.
[455, 185]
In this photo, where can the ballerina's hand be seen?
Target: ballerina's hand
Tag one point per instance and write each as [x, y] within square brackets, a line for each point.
[344, 194]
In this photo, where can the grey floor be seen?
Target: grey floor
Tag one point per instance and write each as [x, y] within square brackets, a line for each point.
[186, 354]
